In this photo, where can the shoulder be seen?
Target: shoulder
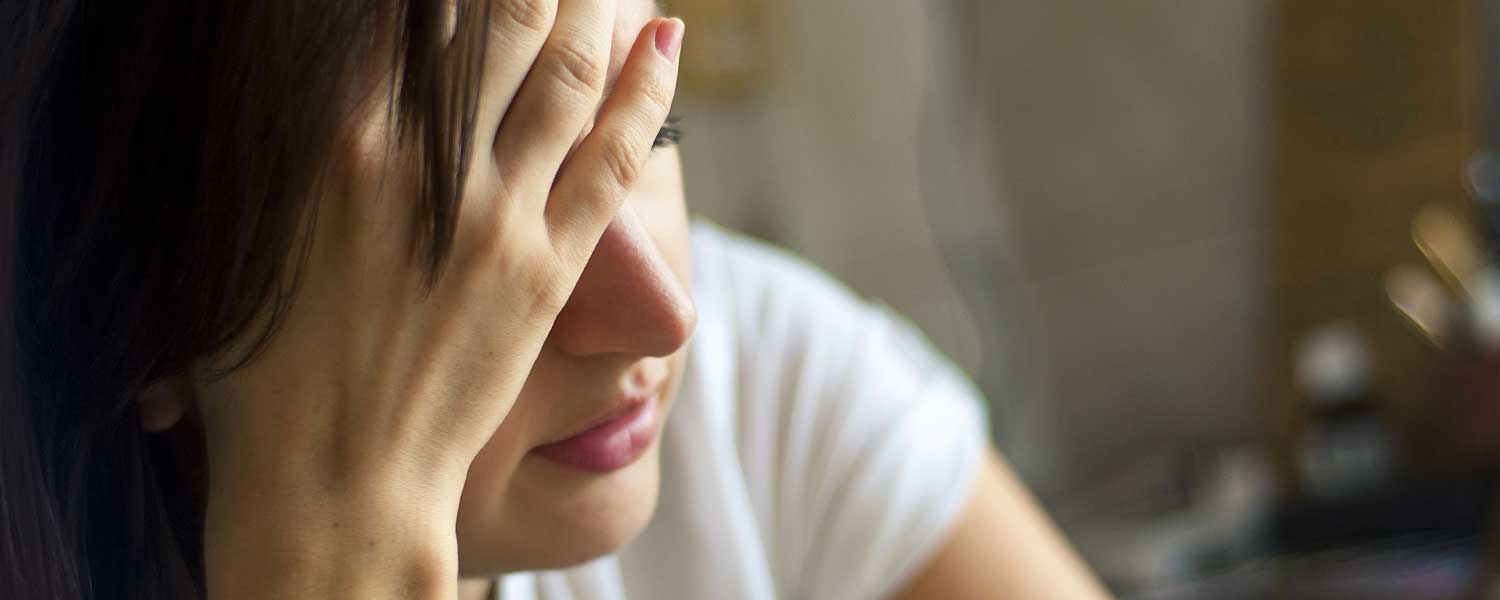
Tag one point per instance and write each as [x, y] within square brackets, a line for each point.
[788, 339]
[771, 298]
[781, 314]
[757, 276]
[830, 401]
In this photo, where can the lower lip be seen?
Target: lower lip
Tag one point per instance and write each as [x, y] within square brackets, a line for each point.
[609, 446]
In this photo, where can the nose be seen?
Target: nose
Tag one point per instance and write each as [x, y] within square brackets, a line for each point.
[628, 299]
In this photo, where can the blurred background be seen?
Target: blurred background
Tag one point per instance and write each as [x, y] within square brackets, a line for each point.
[1223, 268]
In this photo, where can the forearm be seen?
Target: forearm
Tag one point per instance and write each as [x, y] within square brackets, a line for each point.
[1004, 546]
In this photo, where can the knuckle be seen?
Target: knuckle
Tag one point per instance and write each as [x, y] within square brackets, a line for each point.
[488, 229]
[622, 161]
[542, 285]
[576, 66]
[486, 241]
[534, 16]
[553, 290]
[658, 100]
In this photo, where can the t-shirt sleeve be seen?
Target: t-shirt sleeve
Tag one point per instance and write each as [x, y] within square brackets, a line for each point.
[863, 439]
[905, 437]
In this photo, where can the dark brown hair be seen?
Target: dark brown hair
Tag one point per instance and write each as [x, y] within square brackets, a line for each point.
[157, 161]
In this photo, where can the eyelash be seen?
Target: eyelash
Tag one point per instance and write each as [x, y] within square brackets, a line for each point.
[670, 133]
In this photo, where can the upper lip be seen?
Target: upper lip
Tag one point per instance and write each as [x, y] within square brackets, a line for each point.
[620, 403]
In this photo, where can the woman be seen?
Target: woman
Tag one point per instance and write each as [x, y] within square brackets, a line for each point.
[385, 299]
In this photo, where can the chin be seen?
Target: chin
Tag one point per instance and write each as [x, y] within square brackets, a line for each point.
[554, 517]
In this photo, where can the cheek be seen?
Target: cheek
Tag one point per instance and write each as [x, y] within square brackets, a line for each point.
[487, 513]
[493, 468]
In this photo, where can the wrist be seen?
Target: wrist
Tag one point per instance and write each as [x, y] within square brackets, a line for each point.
[327, 542]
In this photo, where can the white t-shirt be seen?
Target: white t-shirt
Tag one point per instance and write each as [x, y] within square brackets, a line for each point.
[819, 446]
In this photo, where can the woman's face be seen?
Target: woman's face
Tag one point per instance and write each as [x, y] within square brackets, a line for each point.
[540, 494]
[571, 474]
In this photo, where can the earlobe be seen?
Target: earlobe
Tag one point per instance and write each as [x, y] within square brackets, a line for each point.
[161, 406]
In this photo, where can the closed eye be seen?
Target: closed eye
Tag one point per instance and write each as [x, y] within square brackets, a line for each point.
[670, 134]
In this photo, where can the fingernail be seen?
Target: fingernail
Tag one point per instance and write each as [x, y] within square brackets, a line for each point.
[669, 38]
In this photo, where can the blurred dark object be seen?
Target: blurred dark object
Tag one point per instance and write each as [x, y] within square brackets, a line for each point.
[1345, 446]
[1484, 167]
[1484, 182]
[1413, 568]
[1467, 392]
[1408, 540]
[1173, 516]
[1373, 108]
[1462, 321]
[1200, 523]
[1451, 505]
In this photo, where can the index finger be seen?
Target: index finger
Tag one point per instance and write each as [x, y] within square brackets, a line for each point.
[596, 179]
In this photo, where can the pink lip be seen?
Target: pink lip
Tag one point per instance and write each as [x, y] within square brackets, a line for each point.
[611, 445]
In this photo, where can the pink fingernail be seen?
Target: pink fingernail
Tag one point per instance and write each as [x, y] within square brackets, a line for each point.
[669, 38]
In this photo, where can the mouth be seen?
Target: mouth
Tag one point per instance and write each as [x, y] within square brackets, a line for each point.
[612, 441]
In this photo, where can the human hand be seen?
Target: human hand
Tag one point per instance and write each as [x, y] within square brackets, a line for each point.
[357, 422]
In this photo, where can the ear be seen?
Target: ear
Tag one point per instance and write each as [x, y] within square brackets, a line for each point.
[162, 405]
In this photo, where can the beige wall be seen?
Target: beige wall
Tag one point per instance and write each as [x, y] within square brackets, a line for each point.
[1090, 168]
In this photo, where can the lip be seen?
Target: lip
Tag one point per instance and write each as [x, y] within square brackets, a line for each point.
[608, 446]
[616, 438]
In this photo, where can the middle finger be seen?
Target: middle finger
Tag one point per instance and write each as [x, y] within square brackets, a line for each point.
[517, 29]
[558, 97]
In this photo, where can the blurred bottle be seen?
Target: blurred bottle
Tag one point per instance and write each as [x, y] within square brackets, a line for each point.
[1346, 447]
